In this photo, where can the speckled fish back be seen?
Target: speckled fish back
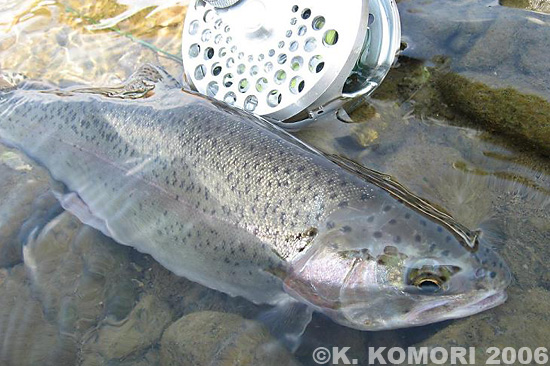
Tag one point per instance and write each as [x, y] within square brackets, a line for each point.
[212, 193]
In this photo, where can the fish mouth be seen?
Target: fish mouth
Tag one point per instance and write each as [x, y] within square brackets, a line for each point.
[426, 314]
[488, 302]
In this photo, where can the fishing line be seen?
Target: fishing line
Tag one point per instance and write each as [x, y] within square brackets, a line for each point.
[126, 34]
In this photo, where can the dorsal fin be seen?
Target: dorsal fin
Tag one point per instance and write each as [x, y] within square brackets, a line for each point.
[468, 238]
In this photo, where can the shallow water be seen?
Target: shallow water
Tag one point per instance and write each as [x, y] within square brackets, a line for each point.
[86, 300]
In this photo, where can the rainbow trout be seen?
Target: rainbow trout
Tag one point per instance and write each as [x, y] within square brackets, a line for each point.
[227, 200]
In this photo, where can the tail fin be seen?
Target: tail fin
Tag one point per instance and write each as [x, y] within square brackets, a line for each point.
[14, 80]
[10, 80]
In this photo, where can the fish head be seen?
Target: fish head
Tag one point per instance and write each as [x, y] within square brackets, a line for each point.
[396, 268]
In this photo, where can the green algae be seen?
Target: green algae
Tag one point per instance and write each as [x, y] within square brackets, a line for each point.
[510, 117]
[522, 118]
[511, 177]
[403, 81]
[535, 5]
[520, 4]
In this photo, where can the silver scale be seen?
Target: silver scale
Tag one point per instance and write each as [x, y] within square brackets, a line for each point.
[289, 61]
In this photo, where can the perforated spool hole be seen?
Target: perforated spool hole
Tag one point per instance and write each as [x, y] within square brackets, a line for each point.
[268, 67]
[230, 98]
[282, 58]
[200, 72]
[241, 69]
[228, 40]
[306, 14]
[212, 89]
[316, 64]
[295, 8]
[216, 69]
[330, 38]
[296, 63]
[228, 80]
[318, 23]
[222, 52]
[297, 85]
[208, 53]
[288, 33]
[302, 30]
[218, 24]
[371, 19]
[254, 70]
[261, 84]
[206, 35]
[230, 62]
[310, 45]
[209, 16]
[250, 103]
[281, 44]
[261, 57]
[293, 21]
[280, 77]
[218, 39]
[193, 27]
[194, 50]
[241, 55]
[293, 46]
[244, 85]
[233, 49]
[274, 98]
[271, 53]
[199, 4]
[227, 29]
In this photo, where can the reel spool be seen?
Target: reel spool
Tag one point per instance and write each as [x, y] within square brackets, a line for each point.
[290, 61]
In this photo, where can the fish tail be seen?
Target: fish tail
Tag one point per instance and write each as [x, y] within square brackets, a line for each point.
[10, 80]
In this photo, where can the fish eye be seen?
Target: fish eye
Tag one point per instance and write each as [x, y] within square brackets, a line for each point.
[428, 284]
[428, 278]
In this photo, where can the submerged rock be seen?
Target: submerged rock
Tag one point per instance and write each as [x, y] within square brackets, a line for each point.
[518, 118]
[78, 274]
[497, 45]
[213, 338]
[535, 5]
[26, 337]
[139, 331]
[523, 118]
[521, 322]
[21, 184]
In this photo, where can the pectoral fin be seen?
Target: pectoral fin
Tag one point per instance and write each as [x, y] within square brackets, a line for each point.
[287, 321]
[74, 204]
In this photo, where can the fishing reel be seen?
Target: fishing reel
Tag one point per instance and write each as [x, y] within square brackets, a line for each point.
[289, 61]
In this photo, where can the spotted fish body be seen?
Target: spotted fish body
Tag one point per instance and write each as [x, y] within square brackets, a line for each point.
[212, 193]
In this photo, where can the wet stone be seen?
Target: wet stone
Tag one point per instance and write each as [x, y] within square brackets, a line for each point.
[79, 274]
[21, 184]
[523, 118]
[139, 331]
[213, 338]
[26, 336]
[500, 327]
